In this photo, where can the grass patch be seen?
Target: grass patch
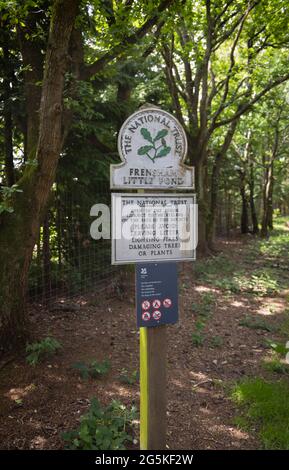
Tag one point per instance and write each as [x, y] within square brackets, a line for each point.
[221, 271]
[266, 407]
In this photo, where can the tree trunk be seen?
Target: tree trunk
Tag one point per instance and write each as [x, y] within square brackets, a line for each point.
[214, 200]
[244, 212]
[255, 225]
[267, 200]
[32, 58]
[219, 158]
[8, 142]
[228, 213]
[19, 229]
[270, 198]
[46, 257]
[200, 182]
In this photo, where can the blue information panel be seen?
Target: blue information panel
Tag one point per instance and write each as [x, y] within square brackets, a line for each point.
[156, 293]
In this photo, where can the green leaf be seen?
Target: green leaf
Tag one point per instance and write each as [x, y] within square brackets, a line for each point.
[146, 134]
[144, 150]
[163, 152]
[161, 134]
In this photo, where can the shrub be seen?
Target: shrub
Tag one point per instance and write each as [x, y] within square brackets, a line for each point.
[94, 369]
[41, 349]
[128, 378]
[102, 428]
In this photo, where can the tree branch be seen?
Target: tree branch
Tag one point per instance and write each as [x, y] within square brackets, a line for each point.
[232, 65]
[245, 107]
[90, 70]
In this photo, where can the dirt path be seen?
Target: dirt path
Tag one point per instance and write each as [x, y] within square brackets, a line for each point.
[39, 403]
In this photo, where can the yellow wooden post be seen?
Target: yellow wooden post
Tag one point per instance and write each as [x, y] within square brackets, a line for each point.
[153, 396]
[153, 403]
[143, 389]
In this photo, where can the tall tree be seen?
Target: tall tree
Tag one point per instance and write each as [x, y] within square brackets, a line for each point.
[212, 88]
[48, 120]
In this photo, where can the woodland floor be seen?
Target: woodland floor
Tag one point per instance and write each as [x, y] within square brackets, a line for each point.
[218, 302]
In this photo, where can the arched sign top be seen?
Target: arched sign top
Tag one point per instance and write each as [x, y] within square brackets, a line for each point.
[152, 145]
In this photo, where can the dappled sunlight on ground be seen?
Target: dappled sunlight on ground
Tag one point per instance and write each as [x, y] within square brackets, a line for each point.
[234, 432]
[238, 303]
[120, 391]
[271, 306]
[199, 376]
[19, 393]
[202, 289]
[230, 308]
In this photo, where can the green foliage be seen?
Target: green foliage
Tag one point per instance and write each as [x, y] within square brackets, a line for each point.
[128, 378]
[94, 369]
[278, 347]
[197, 337]
[206, 305]
[274, 364]
[39, 350]
[203, 309]
[266, 407]
[276, 361]
[209, 271]
[216, 342]
[221, 273]
[256, 324]
[102, 428]
[284, 327]
[261, 283]
[7, 193]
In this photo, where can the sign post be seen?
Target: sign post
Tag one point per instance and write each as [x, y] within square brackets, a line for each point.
[153, 230]
[157, 305]
[153, 396]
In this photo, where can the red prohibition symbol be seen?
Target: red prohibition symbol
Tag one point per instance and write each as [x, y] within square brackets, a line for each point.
[157, 315]
[156, 303]
[167, 303]
[145, 305]
[146, 316]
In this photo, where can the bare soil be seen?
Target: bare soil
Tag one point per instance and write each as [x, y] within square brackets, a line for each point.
[37, 404]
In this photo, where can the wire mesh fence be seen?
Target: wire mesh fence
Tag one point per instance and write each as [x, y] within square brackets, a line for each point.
[66, 260]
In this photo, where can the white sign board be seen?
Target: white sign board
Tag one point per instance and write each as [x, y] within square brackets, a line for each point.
[152, 145]
[153, 227]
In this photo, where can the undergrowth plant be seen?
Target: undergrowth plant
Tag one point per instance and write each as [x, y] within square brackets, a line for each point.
[41, 349]
[205, 306]
[204, 309]
[276, 362]
[197, 337]
[107, 428]
[129, 378]
[256, 324]
[94, 369]
[216, 342]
